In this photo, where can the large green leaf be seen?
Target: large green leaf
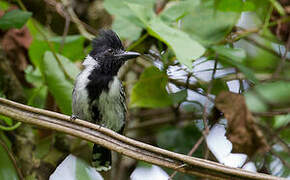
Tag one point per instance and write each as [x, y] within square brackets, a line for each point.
[72, 49]
[208, 25]
[58, 84]
[121, 9]
[142, 15]
[14, 19]
[176, 10]
[126, 29]
[7, 170]
[150, 90]
[185, 48]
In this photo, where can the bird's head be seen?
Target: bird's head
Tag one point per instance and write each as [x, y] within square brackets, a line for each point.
[108, 52]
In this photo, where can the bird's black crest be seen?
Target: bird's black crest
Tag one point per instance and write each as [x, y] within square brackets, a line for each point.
[107, 39]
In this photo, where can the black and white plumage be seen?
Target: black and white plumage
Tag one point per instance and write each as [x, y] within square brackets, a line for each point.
[98, 95]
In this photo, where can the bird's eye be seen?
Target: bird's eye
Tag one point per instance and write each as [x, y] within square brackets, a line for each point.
[110, 50]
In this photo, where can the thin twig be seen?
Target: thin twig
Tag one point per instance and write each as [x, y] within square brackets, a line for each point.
[283, 58]
[121, 144]
[76, 20]
[65, 31]
[286, 164]
[194, 148]
[49, 44]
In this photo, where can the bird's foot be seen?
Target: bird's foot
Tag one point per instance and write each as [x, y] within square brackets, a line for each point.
[101, 125]
[73, 117]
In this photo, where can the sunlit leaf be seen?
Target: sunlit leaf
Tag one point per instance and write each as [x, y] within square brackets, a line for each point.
[207, 25]
[72, 47]
[177, 10]
[126, 29]
[58, 84]
[185, 48]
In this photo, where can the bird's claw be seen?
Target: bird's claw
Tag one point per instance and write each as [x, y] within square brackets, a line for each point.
[73, 117]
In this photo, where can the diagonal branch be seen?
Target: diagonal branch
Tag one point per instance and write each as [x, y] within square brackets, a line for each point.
[124, 145]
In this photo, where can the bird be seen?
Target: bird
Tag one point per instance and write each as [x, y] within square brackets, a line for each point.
[98, 95]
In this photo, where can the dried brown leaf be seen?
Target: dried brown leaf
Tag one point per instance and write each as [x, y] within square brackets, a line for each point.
[242, 131]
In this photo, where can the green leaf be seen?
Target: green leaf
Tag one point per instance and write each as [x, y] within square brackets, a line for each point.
[58, 85]
[268, 93]
[150, 90]
[14, 19]
[33, 76]
[7, 170]
[126, 29]
[73, 47]
[207, 25]
[258, 58]
[4, 5]
[177, 10]
[235, 57]
[37, 95]
[179, 96]
[179, 139]
[236, 54]
[229, 5]
[281, 120]
[36, 52]
[174, 38]
[218, 86]
[121, 9]
[7, 120]
[278, 7]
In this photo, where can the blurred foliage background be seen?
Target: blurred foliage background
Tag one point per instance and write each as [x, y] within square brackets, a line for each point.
[192, 52]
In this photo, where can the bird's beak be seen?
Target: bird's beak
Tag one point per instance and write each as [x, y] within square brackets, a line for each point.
[127, 55]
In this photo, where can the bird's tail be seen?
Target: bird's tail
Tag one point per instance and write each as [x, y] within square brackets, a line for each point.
[102, 158]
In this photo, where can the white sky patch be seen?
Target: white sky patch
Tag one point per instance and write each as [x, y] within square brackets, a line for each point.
[67, 170]
[250, 166]
[149, 173]
[221, 147]
[234, 86]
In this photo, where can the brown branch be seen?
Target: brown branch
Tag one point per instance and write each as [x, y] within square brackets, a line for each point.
[123, 145]
[272, 113]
